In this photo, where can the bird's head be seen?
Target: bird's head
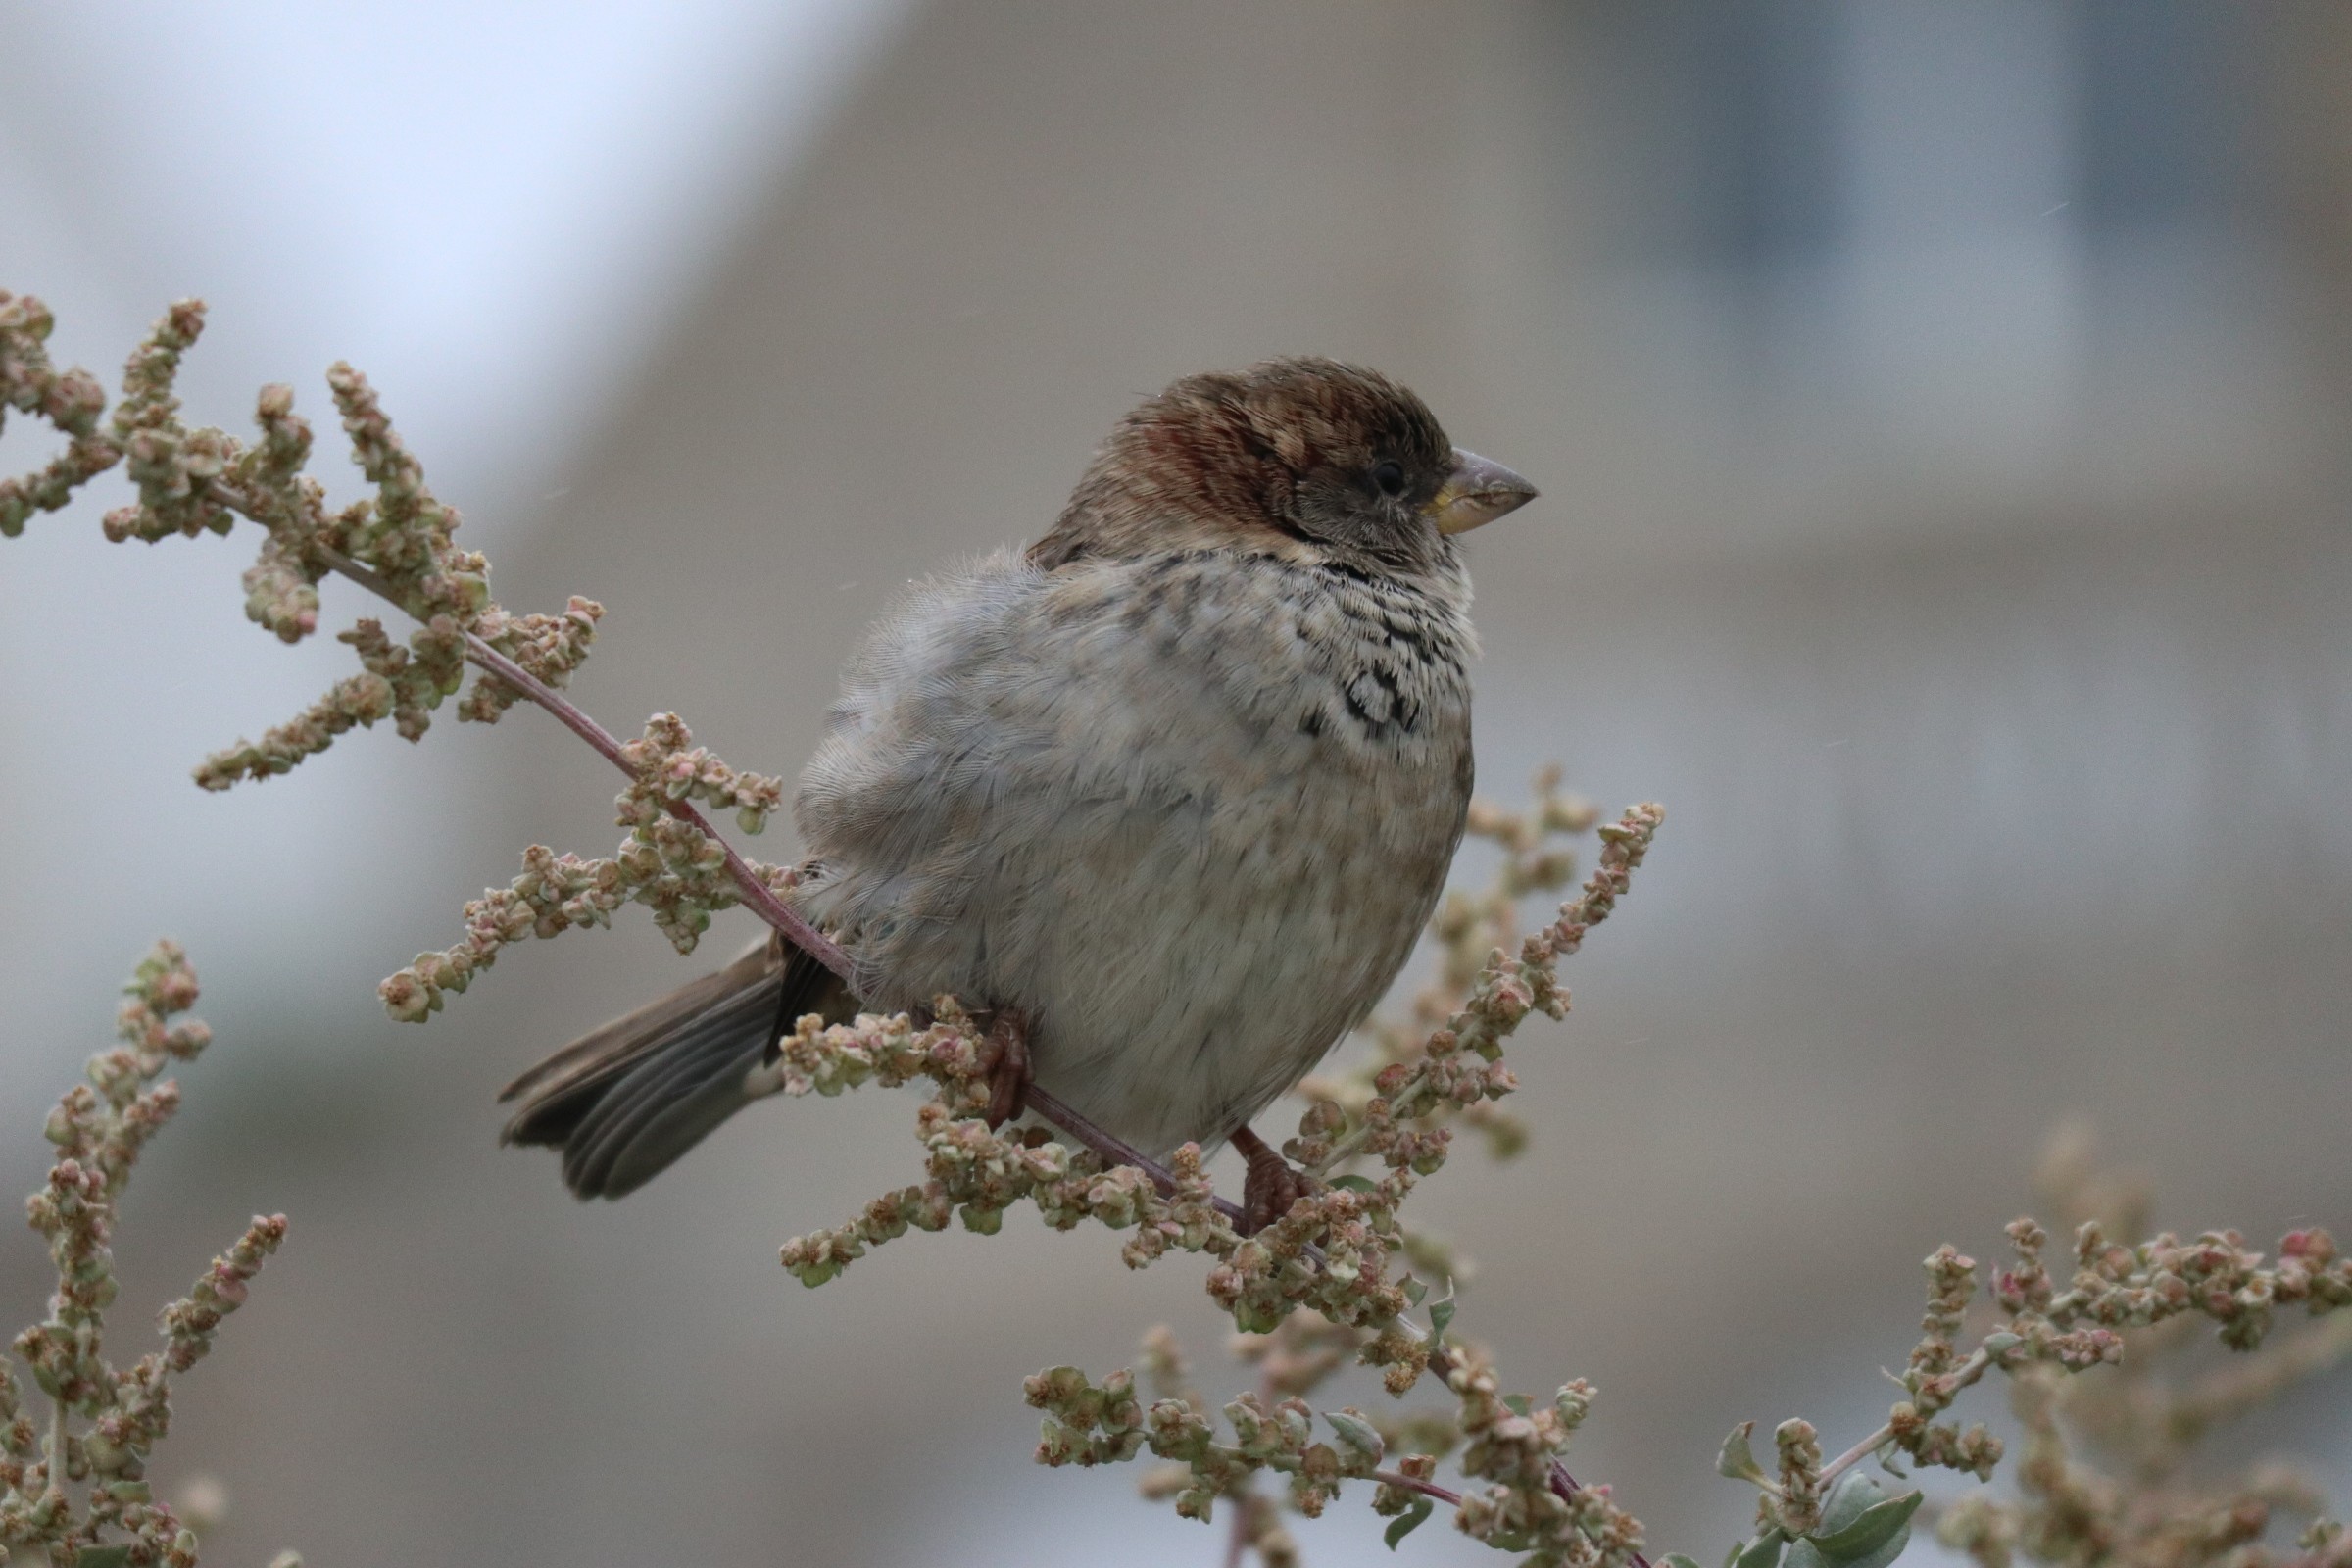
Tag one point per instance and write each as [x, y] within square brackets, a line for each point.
[1303, 459]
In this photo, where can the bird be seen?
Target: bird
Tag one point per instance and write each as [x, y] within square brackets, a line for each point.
[1165, 798]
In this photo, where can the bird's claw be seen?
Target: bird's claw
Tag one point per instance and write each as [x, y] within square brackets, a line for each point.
[1271, 1186]
[1009, 1080]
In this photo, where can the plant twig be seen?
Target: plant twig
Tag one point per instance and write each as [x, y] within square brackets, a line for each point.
[1962, 1376]
[1239, 1536]
[1236, 1536]
[56, 1449]
[1427, 1489]
[757, 895]
[1114, 1148]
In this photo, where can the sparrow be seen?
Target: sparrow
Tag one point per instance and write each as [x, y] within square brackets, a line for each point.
[1166, 798]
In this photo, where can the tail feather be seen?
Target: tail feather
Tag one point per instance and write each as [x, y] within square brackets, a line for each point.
[625, 1100]
[655, 1113]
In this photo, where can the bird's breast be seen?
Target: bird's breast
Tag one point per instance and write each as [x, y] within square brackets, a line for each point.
[1266, 830]
[1192, 820]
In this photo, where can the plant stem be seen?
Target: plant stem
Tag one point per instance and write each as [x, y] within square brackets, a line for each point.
[757, 894]
[1969, 1371]
[1427, 1489]
[1237, 1539]
[1236, 1534]
[1114, 1148]
[57, 1446]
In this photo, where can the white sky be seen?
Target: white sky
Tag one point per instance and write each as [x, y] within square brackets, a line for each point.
[488, 208]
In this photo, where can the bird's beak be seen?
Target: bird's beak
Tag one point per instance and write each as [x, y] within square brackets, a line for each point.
[1478, 491]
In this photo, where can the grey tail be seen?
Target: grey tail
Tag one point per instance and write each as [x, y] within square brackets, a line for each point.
[624, 1102]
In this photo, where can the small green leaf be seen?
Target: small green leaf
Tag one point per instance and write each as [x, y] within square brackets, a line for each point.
[1849, 1495]
[1441, 1313]
[1997, 1346]
[1357, 1432]
[1806, 1554]
[1763, 1553]
[1408, 1520]
[1863, 1544]
[102, 1557]
[1415, 1292]
[1518, 1404]
[1354, 1184]
[1734, 1461]
[1861, 1527]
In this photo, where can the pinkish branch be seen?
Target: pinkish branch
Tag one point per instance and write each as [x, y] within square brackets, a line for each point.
[1428, 1489]
[757, 894]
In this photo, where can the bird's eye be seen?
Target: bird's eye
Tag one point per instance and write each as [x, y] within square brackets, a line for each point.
[1390, 476]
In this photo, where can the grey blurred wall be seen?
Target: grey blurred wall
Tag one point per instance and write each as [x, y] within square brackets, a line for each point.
[1941, 416]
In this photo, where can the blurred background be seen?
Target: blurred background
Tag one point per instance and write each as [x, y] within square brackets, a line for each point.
[1942, 410]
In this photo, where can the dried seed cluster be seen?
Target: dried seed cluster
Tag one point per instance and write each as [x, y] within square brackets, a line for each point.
[72, 401]
[78, 1486]
[397, 542]
[192, 481]
[667, 864]
[2067, 1514]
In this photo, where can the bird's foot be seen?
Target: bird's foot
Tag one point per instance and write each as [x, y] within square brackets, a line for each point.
[1272, 1185]
[1009, 1080]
